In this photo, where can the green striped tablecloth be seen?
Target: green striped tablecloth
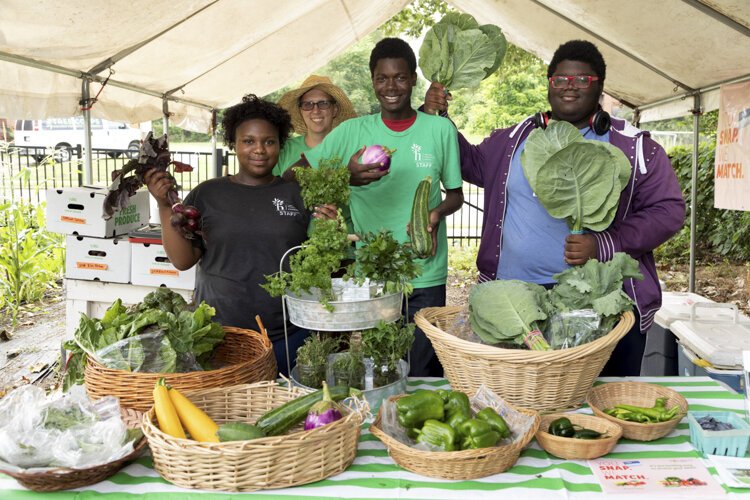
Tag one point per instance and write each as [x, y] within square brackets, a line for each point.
[373, 474]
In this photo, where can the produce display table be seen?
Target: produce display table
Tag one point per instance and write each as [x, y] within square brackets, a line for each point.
[374, 475]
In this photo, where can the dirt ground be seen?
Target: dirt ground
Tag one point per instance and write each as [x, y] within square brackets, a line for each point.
[30, 353]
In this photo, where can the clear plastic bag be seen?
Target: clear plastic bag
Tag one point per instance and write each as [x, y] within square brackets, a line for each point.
[150, 352]
[461, 327]
[63, 430]
[573, 328]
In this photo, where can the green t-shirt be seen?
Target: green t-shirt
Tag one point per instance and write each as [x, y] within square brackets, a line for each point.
[428, 147]
[290, 153]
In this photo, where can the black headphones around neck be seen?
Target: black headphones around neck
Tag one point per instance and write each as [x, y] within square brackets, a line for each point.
[599, 122]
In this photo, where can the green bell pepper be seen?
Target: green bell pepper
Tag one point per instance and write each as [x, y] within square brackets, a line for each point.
[457, 401]
[477, 434]
[496, 421]
[561, 427]
[443, 393]
[437, 434]
[456, 418]
[413, 410]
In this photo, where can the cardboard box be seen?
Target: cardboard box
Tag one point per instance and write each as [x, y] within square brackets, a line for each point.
[150, 266]
[78, 210]
[97, 259]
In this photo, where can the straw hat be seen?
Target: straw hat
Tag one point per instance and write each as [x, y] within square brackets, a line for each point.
[290, 101]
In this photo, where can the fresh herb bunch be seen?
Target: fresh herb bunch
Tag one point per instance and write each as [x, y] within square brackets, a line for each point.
[387, 344]
[327, 184]
[312, 266]
[312, 357]
[380, 257]
[349, 368]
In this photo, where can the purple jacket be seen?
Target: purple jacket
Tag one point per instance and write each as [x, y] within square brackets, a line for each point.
[651, 206]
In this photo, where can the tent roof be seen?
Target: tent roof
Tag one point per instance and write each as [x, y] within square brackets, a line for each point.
[206, 54]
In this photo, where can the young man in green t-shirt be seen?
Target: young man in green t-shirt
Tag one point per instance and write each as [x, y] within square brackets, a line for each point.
[425, 145]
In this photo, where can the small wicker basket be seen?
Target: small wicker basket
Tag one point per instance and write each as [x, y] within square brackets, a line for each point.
[542, 380]
[300, 457]
[608, 395]
[64, 478]
[579, 449]
[461, 465]
[245, 356]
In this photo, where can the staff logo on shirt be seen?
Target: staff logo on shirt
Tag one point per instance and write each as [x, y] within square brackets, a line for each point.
[421, 159]
[284, 208]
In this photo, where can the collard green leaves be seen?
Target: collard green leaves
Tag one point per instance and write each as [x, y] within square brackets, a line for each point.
[459, 53]
[576, 179]
[505, 310]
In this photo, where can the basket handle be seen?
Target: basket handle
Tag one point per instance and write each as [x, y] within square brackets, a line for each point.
[262, 328]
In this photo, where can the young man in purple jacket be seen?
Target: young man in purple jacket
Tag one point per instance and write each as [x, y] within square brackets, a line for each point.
[520, 240]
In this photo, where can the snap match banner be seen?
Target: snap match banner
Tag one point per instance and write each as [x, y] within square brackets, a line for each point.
[732, 169]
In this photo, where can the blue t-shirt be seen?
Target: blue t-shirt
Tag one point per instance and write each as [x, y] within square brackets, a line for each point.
[533, 246]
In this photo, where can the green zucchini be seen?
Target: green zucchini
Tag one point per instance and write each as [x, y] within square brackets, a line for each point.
[238, 431]
[421, 239]
[282, 418]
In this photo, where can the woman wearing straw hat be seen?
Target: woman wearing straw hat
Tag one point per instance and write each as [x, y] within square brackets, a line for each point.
[316, 108]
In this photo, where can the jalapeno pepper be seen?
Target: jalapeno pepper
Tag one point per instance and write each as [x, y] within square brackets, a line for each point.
[587, 434]
[561, 427]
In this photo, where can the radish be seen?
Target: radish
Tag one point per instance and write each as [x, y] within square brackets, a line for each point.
[378, 154]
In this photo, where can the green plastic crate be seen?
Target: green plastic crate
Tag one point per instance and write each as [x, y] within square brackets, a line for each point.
[729, 443]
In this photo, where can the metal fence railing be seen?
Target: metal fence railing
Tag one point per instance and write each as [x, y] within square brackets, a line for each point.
[26, 172]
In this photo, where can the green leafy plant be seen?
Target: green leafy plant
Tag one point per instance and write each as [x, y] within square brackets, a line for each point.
[575, 179]
[312, 266]
[327, 184]
[386, 345]
[312, 357]
[459, 53]
[382, 258]
[31, 259]
[349, 368]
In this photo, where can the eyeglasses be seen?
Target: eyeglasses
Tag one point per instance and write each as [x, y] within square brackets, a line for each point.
[578, 81]
[309, 105]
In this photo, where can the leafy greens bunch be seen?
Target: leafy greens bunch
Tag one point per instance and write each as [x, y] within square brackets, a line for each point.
[506, 310]
[187, 331]
[380, 257]
[327, 184]
[575, 179]
[459, 53]
[387, 344]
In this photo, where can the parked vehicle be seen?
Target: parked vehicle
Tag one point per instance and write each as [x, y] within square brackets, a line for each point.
[62, 134]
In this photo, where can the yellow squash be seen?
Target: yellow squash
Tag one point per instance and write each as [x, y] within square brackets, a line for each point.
[166, 414]
[199, 425]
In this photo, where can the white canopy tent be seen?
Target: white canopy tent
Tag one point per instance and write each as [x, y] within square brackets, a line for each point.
[190, 57]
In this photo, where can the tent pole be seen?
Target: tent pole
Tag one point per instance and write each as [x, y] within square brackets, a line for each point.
[165, 115]
[214, 153]
[86, 107]
[694, 188]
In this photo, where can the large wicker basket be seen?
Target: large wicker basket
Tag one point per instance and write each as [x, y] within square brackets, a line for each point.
[299, 457]
[605, 396]
[459, 465]
[542, 380]
[64, 478]
[245, 356]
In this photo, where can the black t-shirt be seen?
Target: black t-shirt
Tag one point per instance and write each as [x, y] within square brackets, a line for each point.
[246, 231]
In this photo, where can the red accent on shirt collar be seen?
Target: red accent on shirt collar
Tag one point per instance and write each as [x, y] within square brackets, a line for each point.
[400, 125]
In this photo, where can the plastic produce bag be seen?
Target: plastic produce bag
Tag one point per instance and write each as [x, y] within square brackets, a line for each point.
[146, 353]
[63, 430]
[573, 328]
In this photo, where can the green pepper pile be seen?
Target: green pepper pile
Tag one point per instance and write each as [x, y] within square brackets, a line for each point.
[563, 427]
[444, 420]
[644, 415]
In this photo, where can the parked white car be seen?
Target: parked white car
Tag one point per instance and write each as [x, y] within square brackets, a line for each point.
[62, 134]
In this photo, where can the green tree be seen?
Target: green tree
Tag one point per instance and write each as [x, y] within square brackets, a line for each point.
[416, 18]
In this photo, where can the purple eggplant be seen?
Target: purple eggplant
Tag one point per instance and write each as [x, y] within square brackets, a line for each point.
[323, 412]
[378, 154]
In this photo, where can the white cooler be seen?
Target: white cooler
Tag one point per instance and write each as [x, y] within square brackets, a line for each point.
[712, 341]
[660, 355]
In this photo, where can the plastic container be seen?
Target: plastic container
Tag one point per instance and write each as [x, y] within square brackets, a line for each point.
[728, 443]
[691, 365]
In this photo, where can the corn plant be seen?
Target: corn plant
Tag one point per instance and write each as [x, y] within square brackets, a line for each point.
[31, 259]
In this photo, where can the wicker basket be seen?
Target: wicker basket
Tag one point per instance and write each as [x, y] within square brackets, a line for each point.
[542, 380]
[461, 465]
[273, 462]
[608, 395]
[64, 478]
[246, 356]
[579, 449]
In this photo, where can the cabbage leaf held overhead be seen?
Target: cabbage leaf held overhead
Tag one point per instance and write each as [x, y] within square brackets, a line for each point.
[459, 53]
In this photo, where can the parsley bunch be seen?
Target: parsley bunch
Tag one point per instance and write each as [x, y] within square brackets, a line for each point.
[329, 183]
[382, 258]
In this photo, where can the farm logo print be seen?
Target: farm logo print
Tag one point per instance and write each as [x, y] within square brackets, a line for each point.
[421, 159]
[284, 208]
